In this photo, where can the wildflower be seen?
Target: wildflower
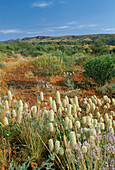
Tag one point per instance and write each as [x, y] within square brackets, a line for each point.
[51, 145]
[92, 139]
[72, 139]
[26, 106]
[64, 103]
[66, 122]
[87, 108]
[77, 124]
[54, 106]
[106, 117]
[50, 101]
[98, 114]
[5, 121]
[102, 126]
[14, 113]
[88, 120]
[51, 128]
[6, 105]
[51, 115]
[83, 120]
[41, 96]
[93, 132]
[57, 145]
[60, 111]
[70, 125]
[69, 109]
[9, 95]
[20, 103]
[58, 97]
[67, 100]
[84, 149]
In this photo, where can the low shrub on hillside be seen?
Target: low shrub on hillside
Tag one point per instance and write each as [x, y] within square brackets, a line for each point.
[100, 69]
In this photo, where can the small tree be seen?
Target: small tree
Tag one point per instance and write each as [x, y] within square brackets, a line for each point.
[99, 47]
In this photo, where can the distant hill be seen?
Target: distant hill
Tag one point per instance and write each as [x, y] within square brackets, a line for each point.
[88, 39]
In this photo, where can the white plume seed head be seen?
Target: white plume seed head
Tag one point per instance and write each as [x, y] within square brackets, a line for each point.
[93, 132]
[88, 120]
[19, 117]
[67, 100]
[106, 117]
[41, 96]
[74, 108]
[97, 114]
[92, 139]
[54, 106]
[5, 121]
[58, 97]
[6, 105]
[66, 122]
[9, 95]
[64, 103]
[60, 111]
[70, 125]
[113, 102]
[77, 124]
[51, 145]
[84, 149]
[51, 115]
[88, 108]
[69, 108]
[50, 101]
[85, 130]
[99, 102]
[20, 103]
[72, 139]
[108, 105]
[14, 113]
[26, 106]
[83, 120]
[57, 146]
[101, 119]
[102, 126]
[90, 101]
[51, 127]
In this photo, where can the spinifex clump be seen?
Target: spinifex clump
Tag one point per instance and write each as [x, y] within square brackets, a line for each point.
[81, 139]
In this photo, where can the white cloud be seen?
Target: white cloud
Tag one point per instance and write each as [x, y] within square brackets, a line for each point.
[72, 22]
[109, 29]
[33, 32]
[92, 25]
[63, 27]
[11, 31]
[41, 4]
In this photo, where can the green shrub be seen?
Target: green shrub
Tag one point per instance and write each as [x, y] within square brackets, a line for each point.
[49, 65]
[100, 69]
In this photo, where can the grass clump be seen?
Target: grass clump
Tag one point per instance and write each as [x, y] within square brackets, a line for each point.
[49, 65]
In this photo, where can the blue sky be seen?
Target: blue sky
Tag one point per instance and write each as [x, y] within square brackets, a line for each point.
[28, 18]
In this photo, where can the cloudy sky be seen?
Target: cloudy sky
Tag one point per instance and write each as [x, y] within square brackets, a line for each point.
[28, 18]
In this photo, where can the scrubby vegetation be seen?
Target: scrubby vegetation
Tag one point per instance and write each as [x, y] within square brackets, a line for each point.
[68, 130]
[100, 69]
[73, 134]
